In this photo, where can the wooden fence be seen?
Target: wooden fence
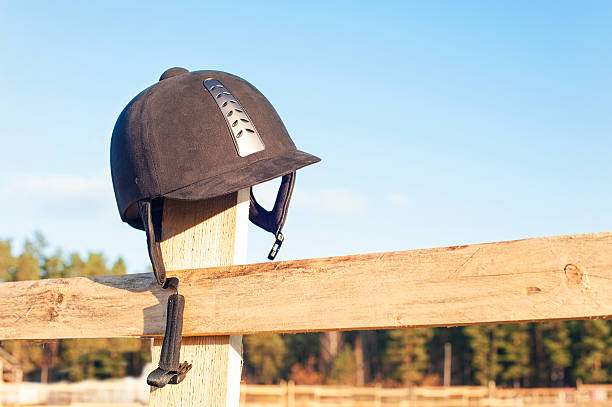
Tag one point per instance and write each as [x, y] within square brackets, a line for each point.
[290, 395]
[133, 393]
[561, 277]
[203, 243]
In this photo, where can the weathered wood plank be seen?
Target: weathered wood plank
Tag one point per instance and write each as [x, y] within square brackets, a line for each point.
[565, 277]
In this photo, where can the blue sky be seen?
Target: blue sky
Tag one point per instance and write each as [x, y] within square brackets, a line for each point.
[438, 123]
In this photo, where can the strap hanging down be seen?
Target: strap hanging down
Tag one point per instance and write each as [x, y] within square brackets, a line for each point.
[170, 370]
[273, 221]
[145, 207]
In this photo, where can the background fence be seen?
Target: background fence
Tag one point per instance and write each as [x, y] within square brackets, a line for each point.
[131, 392]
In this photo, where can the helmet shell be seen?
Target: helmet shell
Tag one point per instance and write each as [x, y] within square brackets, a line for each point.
[172, 140]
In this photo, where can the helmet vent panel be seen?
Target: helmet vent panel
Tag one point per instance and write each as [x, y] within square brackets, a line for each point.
[245, 135]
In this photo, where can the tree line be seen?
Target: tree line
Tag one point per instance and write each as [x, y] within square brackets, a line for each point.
[547, 354]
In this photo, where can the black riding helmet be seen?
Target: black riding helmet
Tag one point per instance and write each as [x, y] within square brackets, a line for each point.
[193, 136]
[197, 135]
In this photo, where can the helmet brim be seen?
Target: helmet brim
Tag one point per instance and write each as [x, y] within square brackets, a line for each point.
[235, 180]
[255, 173]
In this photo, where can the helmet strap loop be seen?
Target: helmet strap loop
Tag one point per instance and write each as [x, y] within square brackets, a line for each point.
[146, 209]
[273, 221]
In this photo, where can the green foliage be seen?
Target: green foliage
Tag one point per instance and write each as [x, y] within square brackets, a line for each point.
[7, 261]
[515, 353]
[300, 358]
[27, 267]
[484, 342]
[118, 268]
[557, 344]
[407, 354]
[593, 343]
[95, 266]
[301, 347]
[37, 247]
[343, 367]
[28, 353]
[54, 266]
[75, 266]
[264, 355]
[552, 351]
[100, 358]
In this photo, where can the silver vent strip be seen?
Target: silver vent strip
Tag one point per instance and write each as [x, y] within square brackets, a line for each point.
[245, 135]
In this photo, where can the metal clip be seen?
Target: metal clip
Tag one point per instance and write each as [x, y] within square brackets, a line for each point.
[276, 246]
[170, 371]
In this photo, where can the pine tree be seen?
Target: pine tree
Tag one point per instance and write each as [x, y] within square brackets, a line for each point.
[7, 261]
[407, 354]
[264, 355]
[54, 266]
[484, 342]
[95, 266]
[27, 268]
[515, 353]
[343, 368]
[461, 354]
[75, 266]
[301, 356]
[557, 347]
[118, 268]
[591, 349]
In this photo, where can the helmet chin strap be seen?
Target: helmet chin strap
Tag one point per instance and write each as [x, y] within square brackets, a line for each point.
[170, 370]
[151, 215]
[273, 221]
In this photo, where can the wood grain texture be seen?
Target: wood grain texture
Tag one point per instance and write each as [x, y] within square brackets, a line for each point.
[565, 277]
[198, 234]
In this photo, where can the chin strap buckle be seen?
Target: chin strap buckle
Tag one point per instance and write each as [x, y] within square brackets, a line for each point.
[170, 371]
[276, 246]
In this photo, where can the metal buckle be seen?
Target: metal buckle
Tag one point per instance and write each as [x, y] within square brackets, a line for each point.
[276, 246]
[170, 371]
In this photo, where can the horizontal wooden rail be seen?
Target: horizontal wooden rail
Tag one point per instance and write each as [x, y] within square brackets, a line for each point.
[565, 277]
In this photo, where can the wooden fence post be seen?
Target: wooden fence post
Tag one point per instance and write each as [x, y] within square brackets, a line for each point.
[492, 397]
[405, 398]
[197, 234]
[377, 395]
[317, 396]
[447, 364]
[290, 393]
[413, 396]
